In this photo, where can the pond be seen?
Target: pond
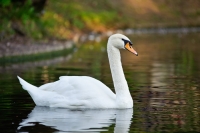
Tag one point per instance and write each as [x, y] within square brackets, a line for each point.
[164, 81]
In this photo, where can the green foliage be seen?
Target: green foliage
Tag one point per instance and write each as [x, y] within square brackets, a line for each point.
[62, 19]
[18, 15]
[5, 2]
[71, 17]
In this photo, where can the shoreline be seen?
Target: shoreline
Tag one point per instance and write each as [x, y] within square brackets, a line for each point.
[15, 49]
[10, 49]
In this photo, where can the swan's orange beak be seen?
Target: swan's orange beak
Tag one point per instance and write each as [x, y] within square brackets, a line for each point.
[129, 47]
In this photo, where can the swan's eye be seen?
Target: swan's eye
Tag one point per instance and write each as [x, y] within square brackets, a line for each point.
[125, 41]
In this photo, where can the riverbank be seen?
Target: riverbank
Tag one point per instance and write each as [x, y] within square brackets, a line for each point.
[19, 48]
[12, 48]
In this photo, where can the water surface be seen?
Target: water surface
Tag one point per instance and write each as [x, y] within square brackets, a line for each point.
[164, 81]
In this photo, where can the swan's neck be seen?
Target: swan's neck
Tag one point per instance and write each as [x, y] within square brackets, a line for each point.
[123, 97]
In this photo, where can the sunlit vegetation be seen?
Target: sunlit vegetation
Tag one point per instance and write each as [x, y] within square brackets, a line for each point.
[59, 19]
[76, 17]
[65, 19]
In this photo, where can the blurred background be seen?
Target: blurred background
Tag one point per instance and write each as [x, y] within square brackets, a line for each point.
[67, 19]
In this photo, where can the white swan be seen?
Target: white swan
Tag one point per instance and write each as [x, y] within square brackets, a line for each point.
[87, 92]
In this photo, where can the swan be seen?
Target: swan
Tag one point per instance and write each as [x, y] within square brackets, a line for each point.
[86, 92]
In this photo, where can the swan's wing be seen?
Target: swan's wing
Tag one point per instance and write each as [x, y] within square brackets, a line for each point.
[86, 84]
[76, 83]
[81, 91]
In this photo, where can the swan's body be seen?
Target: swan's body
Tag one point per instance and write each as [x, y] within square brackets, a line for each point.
[87, 92]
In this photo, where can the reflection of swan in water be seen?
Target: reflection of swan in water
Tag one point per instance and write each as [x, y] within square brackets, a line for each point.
[79, 120]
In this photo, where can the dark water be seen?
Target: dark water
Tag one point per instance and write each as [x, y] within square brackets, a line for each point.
[164, 82]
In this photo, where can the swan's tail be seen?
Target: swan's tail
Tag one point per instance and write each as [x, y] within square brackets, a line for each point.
[32, 90]
[26, 85]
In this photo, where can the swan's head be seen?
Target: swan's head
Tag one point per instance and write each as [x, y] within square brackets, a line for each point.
[121, 42]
